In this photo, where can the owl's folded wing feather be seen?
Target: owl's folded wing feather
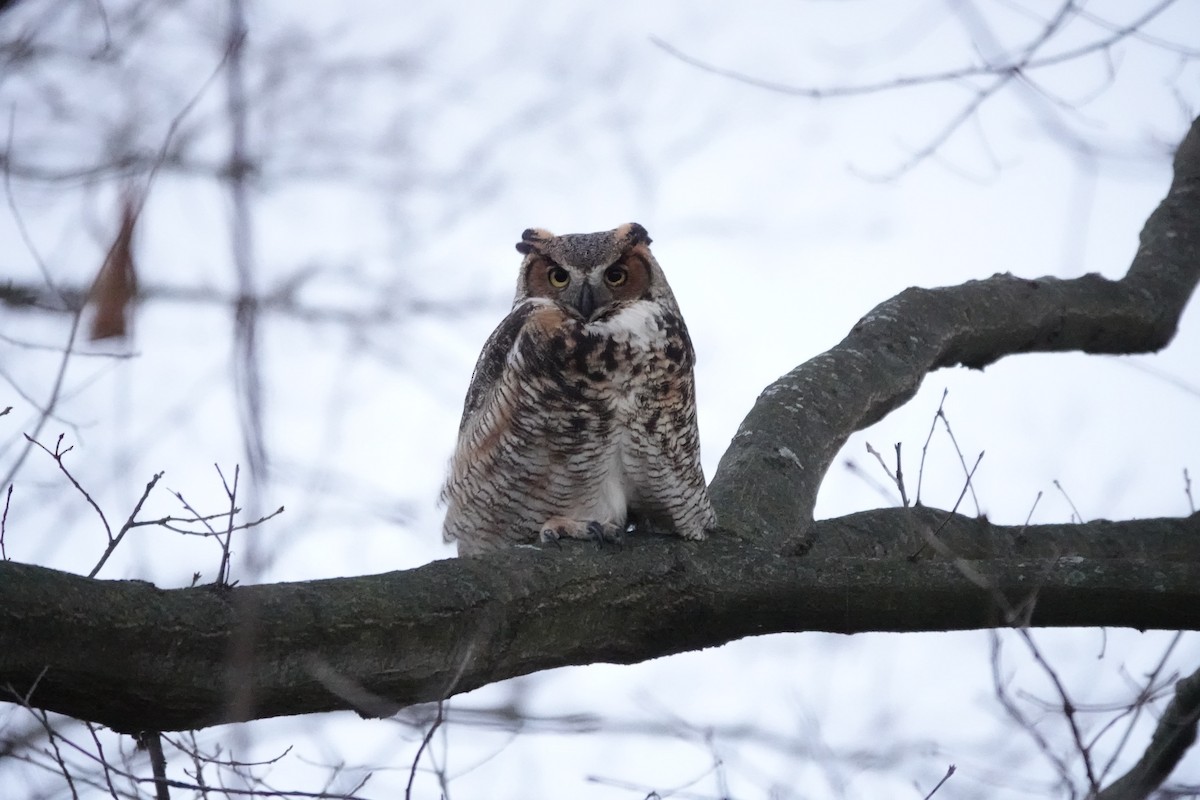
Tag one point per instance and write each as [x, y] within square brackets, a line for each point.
[492, 360]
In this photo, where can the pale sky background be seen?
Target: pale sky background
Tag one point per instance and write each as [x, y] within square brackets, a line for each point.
[779, 220]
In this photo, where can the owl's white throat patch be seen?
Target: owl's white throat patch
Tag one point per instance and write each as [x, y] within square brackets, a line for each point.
[636, 323]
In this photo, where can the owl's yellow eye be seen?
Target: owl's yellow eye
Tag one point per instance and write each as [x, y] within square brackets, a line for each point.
[558, 277]
[616, 275]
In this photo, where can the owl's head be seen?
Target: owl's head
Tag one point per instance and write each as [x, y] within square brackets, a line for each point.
[592, 274]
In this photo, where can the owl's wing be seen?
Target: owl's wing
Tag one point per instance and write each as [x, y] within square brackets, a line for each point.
[492, 360]
[484, 434]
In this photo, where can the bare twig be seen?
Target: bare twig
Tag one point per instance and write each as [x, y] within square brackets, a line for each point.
[1033, 507]
[1067, 707]
[941, 414]
[231, 493]
[198, 763]
[160, 780]
[1016, 67]
[4, 521]
[961, 459]
[1075, 515]
[1187, 490]
[900, 477]
[897, 477]
[112, 790]
[53, 737]
[113, 539]
[1024, 723]
[129, 523]
[868, 478]
[1146, 694]
[925, 447]
[464, 660]
[911, 81]
[954, 510]
[152, 741]
[412, 773]
[171, 523]
[223, 536]
[946, 777]
[1173, 737]
[57, 454]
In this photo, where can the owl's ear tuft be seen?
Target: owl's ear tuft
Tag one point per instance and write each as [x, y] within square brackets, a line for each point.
[531, 237]
[636, 234]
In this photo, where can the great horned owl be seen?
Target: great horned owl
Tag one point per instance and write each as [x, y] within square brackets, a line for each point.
[581, 414]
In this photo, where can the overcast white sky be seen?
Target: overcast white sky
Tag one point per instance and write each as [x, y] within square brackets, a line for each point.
[779, 220]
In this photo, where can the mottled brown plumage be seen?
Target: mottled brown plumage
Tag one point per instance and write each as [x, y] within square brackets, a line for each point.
[581, 414]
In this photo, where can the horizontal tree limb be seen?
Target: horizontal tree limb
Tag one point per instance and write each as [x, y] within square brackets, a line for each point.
[134, 657]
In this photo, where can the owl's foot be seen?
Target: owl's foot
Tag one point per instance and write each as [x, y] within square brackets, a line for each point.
[601, 533]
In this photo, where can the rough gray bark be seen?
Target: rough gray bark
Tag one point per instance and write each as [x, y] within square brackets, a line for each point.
[135, 657]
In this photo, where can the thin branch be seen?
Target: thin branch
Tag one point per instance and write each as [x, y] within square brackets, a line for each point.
[129, 524]
[1173, 737]
[896, 477]
[1023, 722]
[1067, 707]
[1145, 695]
[53, 738]
[869, 479]
[412, 773]
[57, 454]
[1187, 490]
[946, 777]
[4, 522]
[1022, 63]
[1075, 515]
[900, 477]
[928, 439]
[226, 543]
[152, 741]
[961, 459]
[966, 485]
[112, 790]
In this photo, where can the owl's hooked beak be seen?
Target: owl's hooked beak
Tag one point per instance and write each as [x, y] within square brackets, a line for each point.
[586, 302]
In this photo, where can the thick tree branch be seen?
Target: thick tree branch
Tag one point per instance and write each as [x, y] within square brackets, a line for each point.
[135, 657]
[1175, 734]
[767, 481]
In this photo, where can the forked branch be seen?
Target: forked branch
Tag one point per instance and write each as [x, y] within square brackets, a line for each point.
[767, 481]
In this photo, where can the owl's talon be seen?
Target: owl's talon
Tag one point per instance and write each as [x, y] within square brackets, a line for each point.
[550, 536]
[603, 533]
